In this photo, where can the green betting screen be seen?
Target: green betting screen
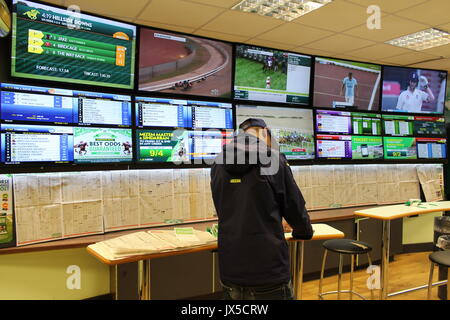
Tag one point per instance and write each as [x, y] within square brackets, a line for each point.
[400, 148]
[55, 44]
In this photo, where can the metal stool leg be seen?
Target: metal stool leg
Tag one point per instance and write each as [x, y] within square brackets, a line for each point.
[339, 290]
[322, 272]
[340, 276]
[430, 281]
[371, 289]
[352, 263]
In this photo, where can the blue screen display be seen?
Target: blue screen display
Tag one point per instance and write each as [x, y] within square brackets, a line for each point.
[40, 104]
[188, 114]
[29, 143]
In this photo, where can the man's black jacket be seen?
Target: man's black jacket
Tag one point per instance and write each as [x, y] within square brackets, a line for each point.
[250, 207]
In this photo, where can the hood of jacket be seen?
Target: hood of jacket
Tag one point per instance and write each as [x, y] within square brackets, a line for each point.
[244, 153]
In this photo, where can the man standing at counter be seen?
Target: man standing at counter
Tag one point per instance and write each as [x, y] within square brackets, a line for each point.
[253, 190]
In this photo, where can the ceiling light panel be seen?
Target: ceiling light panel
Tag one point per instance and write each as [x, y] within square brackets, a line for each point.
[286, 10]
[422, 40]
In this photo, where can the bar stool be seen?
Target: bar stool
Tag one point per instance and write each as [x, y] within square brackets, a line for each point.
[344, 247]
[442, 259]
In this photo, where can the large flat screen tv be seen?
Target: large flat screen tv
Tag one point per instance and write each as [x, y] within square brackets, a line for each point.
[346, 84]
[23, 103]
[48, 43]
[27, 144]
[410, 90]
[183, 64]
[181, 131]
[271, 75]
[292, 128]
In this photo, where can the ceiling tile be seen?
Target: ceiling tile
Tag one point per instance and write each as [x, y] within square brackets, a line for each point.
[336, 16]
[409, 58]
[242, 23]
[295, 34]
[391, 27]
[217, 3]
[432, 12]
[313, 52]
[110, 8]
[441, 51]
[441, 64]
[57, 2]
[179, 13]
[378, 52]
[169, 27]
[269, 44]
[220, 35]
[339, 43]
[389, 6]
[125, 19]
[444, 27]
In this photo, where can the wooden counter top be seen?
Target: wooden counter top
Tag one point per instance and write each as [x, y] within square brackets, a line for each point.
[319, 216]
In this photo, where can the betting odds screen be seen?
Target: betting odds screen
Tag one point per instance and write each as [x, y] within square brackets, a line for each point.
[396, 125]
[42, 124]
[171, 130]
[49, 43]
[348, 135]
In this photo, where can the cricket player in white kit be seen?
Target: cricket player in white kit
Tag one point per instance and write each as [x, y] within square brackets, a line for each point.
[411, 99]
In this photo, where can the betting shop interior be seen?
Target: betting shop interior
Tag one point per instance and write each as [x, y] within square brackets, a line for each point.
[112, 114]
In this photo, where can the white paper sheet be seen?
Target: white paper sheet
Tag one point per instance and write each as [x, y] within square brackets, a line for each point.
[38, 224]
[322, 175]
[344, 174]
[366, 174]
[367, 194]
[82, 218]
[323, 197]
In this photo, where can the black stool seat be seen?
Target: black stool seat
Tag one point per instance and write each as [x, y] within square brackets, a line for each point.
[441, 258]
[347, 246]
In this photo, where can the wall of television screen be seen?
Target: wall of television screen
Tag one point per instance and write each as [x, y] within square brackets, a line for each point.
[109, 92]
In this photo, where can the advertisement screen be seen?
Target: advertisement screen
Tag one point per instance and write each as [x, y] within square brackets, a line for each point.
[346, 84]
[396, 148]
[179, 145]
[49, 43]
[29, 143]
[176, 63]
[349, 147]
[367, 148]
[102, 145]
[291, 127]
[40, 104]
[271, 75]
[413, 90]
